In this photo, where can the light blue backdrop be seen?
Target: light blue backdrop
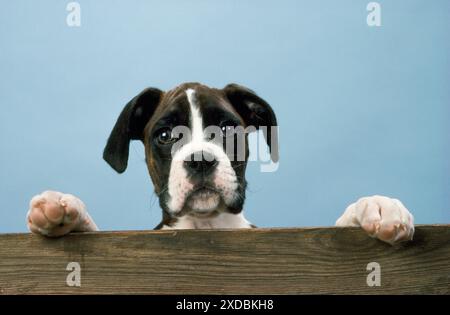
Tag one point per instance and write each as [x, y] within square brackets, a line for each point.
[362, 110]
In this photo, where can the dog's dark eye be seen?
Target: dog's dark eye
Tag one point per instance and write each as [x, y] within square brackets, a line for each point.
[228, 128]
[164, 136]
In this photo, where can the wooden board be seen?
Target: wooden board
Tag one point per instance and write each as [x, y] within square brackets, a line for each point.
[257, 261]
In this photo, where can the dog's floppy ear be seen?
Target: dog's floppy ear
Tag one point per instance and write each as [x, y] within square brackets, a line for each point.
[130, 126]
[256, 112]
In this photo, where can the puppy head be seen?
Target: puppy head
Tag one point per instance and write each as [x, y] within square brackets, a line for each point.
[196, 146]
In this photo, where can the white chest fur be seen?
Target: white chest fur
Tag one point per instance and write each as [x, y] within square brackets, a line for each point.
[221, 221]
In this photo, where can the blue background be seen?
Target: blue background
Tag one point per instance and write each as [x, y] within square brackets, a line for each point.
[363, 110]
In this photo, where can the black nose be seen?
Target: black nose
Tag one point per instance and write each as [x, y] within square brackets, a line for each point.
[200, 163]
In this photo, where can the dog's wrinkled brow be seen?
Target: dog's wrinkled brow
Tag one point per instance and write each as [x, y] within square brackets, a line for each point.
[173, 113]
[170, 119]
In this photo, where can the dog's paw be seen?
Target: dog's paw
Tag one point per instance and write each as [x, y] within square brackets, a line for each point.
[55, 214]
[381, 217]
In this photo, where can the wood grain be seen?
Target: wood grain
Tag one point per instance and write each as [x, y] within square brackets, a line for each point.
[256, 261]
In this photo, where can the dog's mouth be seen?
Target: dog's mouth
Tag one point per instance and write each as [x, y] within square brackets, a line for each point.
[204, 199]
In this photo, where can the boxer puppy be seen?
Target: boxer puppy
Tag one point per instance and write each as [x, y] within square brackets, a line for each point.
[196, 148]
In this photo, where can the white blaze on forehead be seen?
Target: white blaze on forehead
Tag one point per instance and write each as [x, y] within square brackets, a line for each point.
[196, 117]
